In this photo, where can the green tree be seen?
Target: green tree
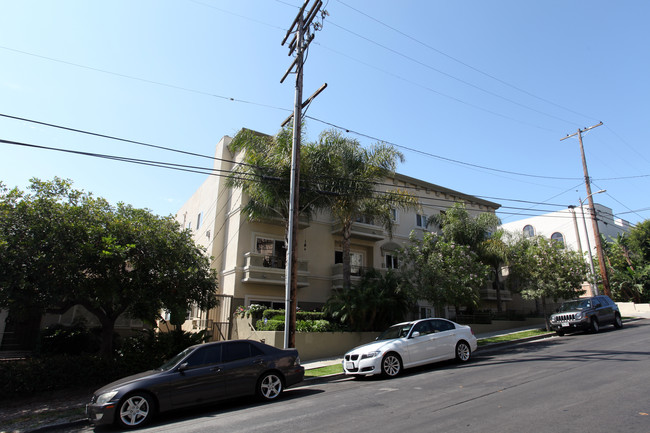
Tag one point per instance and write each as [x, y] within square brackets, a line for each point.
[480, 234]
[62, 247]
[544, 269]
[376, 301]
[350, 174]
[629, 265]
[442, 272]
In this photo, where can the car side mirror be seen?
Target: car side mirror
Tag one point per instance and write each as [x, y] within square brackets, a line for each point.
[182, 367]
[415, 334]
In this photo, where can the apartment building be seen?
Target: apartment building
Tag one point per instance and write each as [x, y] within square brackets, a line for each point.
[250, 256]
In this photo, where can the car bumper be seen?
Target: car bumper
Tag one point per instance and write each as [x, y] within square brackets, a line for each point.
[100, 414]
[362, 367]
[574, 325]
[294, 376]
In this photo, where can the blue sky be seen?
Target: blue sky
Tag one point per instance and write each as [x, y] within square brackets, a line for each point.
[476, 94]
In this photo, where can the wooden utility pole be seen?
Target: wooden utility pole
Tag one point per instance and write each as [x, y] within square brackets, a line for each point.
[301, 40]
[592, 211]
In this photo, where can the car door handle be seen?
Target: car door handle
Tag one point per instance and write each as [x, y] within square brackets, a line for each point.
[216, 369]
[258, 362]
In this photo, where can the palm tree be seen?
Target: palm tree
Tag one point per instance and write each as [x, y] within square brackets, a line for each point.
[349, 175]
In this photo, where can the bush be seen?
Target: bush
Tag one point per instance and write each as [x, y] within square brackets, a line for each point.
[68, 340]
[55, 370]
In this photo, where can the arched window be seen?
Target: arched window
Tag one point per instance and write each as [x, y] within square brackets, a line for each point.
[529, 231]
[557, 237]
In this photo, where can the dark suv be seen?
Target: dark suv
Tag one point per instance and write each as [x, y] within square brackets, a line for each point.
[586, 314]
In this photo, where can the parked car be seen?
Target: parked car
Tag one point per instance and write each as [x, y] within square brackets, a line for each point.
[200, 374]
[410, 344]
[586, 314]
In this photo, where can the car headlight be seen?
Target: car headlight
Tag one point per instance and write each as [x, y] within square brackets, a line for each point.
[579, 316]
[106, 397]
[370, 354]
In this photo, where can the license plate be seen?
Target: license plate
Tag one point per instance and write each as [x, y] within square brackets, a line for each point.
[349, 366]
[565, 324]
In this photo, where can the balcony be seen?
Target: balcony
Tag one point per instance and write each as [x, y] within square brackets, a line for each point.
[265, 269]
[337, 274]
[491, 295]
[362, 231]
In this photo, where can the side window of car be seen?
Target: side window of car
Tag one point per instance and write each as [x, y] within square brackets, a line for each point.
[442, 325]
[205, 356]
[236, 350]
[423, 328]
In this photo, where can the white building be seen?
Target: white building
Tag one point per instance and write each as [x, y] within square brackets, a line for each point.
[573, 227]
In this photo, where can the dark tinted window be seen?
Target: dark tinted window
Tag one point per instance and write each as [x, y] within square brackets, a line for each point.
[205, 355]
[423, 328]
[442, 325]
[240, 350]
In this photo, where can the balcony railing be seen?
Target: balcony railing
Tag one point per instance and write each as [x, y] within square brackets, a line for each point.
[355, 274]
[368, 232]
[262, 268]
[491, 294]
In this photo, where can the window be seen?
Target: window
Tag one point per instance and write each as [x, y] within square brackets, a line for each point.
[198, 220]
[425, 312]
[365, 219]
[234, 351]
[391, 261]
[529, 231]
[421, 221]
[356, 261]
[557, 237]
[423, 328]
[394, 216]
[274, 251]
[205, 355]
[441, 325]
[273, 305]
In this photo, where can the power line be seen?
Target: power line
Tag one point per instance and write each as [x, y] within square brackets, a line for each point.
[463, 63]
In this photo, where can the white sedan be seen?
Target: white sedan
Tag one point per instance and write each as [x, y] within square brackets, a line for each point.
[410, 344]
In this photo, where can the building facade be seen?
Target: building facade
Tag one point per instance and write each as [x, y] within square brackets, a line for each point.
[250, 256]
[574, 228]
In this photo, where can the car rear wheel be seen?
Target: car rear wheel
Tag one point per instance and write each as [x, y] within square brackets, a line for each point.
[463, 351]
[391, 365]
[269, 387]
[135, 410]
[618, 322]
[595, 326]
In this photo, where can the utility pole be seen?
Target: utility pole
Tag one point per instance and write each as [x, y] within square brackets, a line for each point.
[301, 40]
[592, 210]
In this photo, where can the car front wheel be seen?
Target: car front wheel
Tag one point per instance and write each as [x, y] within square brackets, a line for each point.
[391, 365]
[463, 351]
[269, 387]
[135, 410]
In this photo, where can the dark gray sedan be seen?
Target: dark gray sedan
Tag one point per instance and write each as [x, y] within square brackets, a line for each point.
[200, 374]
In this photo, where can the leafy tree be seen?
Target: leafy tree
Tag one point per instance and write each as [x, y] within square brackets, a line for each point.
[62, 247]
[350, 174]
[443, 272]
[479, 233]
[377, 301]
[543, 269]
[628, 264]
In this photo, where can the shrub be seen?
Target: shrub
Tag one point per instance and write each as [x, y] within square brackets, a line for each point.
[70, 340]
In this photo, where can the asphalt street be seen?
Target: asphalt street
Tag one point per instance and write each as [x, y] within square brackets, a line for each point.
[583, 382]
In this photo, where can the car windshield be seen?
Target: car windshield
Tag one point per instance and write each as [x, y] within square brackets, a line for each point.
[175, 360]
[575, 305]
[396, 331]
